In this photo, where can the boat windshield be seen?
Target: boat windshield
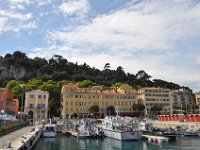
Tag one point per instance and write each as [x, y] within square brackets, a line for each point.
[49, 129]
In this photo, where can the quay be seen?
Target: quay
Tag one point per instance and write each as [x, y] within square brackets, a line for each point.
[173, 125]
[22, 139]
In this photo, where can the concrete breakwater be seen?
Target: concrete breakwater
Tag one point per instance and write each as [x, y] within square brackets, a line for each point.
[24, 141]
[173, 124]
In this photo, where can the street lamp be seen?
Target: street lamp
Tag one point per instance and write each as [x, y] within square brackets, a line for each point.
[22, 100]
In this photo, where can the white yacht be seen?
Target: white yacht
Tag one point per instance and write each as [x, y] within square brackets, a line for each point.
[49, 130]
[115, 127]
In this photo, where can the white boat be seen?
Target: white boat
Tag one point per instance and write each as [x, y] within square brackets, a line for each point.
[88, 129]
[49, 130]
[115, 127]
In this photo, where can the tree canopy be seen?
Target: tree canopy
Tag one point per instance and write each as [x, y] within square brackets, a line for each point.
[110, 110]
[138, 107]
[18, 66]
[94, 109]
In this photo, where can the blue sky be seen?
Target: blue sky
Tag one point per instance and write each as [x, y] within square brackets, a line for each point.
[160, 37]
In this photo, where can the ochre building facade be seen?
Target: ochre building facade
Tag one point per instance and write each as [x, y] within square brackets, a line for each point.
[79, 100]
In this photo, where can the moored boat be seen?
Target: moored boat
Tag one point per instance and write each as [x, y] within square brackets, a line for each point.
[88, 129]
[49, 130]
[115, 127]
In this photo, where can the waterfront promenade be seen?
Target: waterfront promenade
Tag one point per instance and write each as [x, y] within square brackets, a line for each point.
[13, 136]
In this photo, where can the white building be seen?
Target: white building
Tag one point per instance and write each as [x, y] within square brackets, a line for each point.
[182, 99]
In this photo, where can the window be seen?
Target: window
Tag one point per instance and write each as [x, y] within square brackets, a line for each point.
[44, 96]
[43, 111]
[31, 96]
[39, 96]
[71, 103]
[67, 103]
[31, 106]
[39, 106]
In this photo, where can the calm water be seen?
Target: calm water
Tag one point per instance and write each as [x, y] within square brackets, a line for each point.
[70, 143]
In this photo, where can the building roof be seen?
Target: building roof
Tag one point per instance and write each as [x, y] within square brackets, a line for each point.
[126, 87]
[154, 88]
[37, 91]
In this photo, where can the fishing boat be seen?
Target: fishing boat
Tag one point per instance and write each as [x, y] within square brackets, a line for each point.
[49, 130]
[115, 127]
[88, 129]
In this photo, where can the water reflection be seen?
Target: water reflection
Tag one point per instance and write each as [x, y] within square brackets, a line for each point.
[70, 143]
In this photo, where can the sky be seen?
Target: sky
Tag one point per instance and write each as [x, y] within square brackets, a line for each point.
[158, 36]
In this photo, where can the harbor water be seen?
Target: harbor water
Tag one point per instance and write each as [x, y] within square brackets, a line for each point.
[70, 143]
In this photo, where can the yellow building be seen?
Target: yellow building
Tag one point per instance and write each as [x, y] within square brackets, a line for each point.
[79, 100]
[152, 95]
[36, 105]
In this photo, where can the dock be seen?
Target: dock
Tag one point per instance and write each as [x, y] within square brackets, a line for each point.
[156, 139]
[25, 140]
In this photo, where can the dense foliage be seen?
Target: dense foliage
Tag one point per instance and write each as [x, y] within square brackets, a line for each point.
[18, 66]
[94, 109]
[138, 107]
[110, 110]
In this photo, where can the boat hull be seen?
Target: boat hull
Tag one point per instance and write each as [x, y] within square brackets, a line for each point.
[49, 134]
[123, 135]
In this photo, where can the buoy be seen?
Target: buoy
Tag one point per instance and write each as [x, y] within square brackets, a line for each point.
[78, 133]
[155, 140]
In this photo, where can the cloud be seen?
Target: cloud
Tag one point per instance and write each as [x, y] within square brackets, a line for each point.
[144, 35]
[13, 21]
[43, 2]
[18, 4]
[75, 7]
[139, 26]
[19, 1]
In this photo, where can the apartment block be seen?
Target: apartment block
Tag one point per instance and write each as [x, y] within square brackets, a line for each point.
[79, 100]
[182, 99]
[197, 98]
[36, 105]
[152, 96]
